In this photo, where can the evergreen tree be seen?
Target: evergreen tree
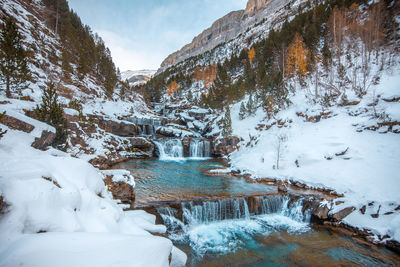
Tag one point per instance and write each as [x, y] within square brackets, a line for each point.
[51, 112]
[66, 67]
[13, 60]
[2, 133]
[190, 96]
[242, 112]
[222, 86]
[251, 109]
[227, 123]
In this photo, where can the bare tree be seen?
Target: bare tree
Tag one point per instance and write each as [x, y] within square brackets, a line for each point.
[280, 144]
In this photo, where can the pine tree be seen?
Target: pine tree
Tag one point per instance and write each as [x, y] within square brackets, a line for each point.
[66, 67]
[227, 123]
[14, 71]
[51, 112]
[190, 96]
[251, 109]
[2, 133]
[242, 112]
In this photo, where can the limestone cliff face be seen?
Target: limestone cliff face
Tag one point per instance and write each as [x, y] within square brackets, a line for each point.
[225, 29]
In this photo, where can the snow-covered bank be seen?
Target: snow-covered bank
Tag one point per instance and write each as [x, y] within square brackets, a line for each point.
[335, 151]
[57, 211]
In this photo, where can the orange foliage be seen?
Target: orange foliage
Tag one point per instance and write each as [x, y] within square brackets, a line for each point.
[206, 74]
[297, 57]
[251, 54]
[172, 88]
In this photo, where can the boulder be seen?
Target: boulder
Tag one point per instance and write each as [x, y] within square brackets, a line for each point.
[340, 215]
[17, 124]
[120, 190]
[45, 140]
[321, 212]
[282, 188]
[226, 146]
[118, 128]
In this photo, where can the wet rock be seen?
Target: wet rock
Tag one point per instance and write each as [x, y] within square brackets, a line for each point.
[17, 124]
[282, 188]
[340, 215]
[186, 146]
[120, 190]
[45, 140]
[321, 212]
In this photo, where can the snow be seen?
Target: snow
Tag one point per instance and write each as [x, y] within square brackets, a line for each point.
[126, 75]
[86, 249]
[367, 172]
[65, 197]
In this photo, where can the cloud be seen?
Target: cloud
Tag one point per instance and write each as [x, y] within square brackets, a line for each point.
[124, 54]
[140, 34]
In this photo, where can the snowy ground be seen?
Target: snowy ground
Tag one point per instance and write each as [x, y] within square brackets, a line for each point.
[368, 173]
[59, 213]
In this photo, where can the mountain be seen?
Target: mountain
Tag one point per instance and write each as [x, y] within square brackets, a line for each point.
[231, 26]
[137, 77]
[304, 92]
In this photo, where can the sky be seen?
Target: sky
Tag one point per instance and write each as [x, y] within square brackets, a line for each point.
[142, 33]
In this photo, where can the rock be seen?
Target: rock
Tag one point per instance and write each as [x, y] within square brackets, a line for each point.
[142, 144]
[118, 128]
[363, 209]
[321, 212]
[226, 146]
[340, 215]
[225, 29]
[282, 188]
[120, 190]
[17, 124]
[45, 140]
[186, 146]
[1, 204]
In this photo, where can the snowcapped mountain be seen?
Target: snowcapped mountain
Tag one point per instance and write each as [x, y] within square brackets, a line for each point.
[236, 30]
[137, 77]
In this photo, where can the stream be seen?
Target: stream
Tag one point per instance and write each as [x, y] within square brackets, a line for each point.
[227, 221]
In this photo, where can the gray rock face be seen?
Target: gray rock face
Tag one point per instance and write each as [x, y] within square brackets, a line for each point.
[226, 29]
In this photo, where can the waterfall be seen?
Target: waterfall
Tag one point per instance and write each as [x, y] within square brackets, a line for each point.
[199, 148]
[206, 149]
[170, 149]
[212, 211]
[220, 226]
[236, 208]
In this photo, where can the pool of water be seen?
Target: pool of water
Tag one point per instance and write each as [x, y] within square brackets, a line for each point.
[225, 232]
[280, 247]
[158, 180]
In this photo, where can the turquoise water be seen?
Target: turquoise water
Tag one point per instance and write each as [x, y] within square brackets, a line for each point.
[280, 237]
[158, 180]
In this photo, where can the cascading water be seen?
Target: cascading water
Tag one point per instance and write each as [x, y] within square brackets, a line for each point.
[199, 148]
[222, 226]
[170, 149]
